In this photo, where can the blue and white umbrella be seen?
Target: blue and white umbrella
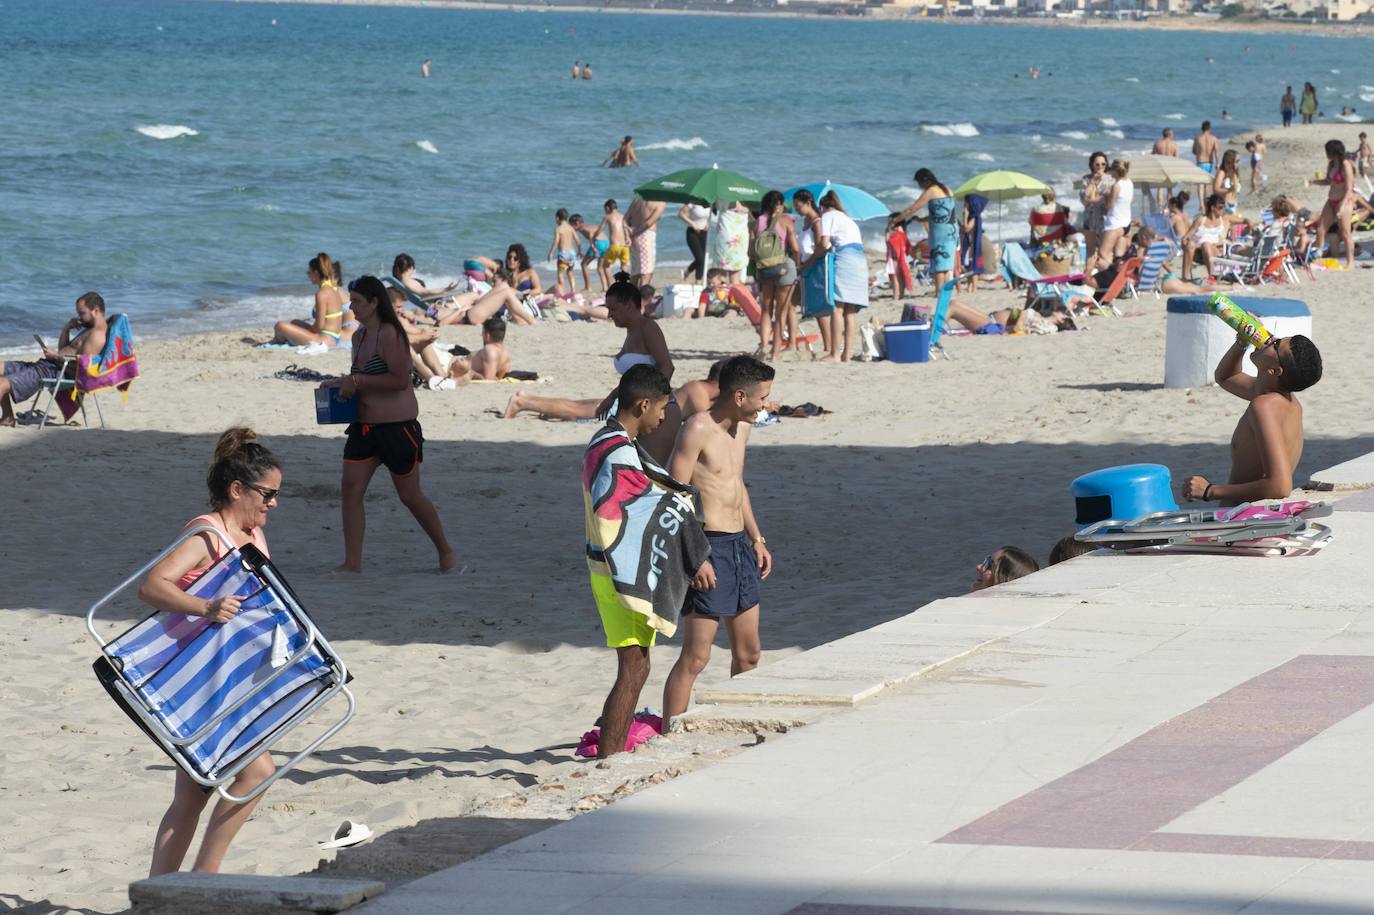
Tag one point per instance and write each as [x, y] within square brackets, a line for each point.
[858, 203]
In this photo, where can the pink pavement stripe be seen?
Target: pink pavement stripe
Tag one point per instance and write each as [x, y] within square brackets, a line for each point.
[1262, 846]
[833, 908]
[1126, 796]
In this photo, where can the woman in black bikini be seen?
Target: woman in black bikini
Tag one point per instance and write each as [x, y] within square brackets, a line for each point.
[387, 431]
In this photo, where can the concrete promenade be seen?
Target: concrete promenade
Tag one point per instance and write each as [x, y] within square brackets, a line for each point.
[1117, 734]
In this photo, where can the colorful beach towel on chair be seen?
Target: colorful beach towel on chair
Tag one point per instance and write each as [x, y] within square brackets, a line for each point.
[643, 527]
[116, 366]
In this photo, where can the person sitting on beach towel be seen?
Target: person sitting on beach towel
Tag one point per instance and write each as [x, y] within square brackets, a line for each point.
[645, 543]
[83, 335]
[491, 362]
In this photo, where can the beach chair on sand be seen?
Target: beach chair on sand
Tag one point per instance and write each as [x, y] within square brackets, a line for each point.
[1266, 262]
[1252, 529]
[115, 367]
[1125, 278]
[1016, 266]
[213, 696]
[1152, 266]
[423, 302]
[1163, 226]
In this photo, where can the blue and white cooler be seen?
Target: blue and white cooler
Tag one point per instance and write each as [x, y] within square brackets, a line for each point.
[1195, 339]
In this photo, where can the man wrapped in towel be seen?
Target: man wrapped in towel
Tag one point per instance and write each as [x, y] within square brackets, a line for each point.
[645, 543]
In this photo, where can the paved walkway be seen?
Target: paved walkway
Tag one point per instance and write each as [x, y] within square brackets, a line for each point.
[1118, 734]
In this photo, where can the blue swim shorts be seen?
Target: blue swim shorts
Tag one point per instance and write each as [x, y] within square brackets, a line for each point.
[737, 578]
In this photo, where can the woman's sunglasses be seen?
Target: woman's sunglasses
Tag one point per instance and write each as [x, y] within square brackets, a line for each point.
[267, 494]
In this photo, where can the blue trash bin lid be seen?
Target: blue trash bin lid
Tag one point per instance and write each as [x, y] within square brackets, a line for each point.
[1263, 307]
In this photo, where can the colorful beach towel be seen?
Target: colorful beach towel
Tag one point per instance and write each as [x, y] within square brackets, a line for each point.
[115, 367]
[643, 527]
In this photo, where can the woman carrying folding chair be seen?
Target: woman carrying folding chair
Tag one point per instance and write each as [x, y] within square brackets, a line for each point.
[244, 480]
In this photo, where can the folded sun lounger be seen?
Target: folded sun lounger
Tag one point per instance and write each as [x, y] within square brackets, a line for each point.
[213, 696]
[1252, 529]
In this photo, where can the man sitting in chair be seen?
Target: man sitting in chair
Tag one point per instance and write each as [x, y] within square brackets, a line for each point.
[83, 335]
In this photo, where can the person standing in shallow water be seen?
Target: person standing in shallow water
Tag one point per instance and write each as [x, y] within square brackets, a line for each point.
[387, 431]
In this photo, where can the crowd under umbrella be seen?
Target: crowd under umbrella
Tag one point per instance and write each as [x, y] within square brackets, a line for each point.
[1001, 185]
[703, 186]
[858, 203]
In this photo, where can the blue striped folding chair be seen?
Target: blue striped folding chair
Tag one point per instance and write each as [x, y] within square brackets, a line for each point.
[1152, 267]
[211, 695]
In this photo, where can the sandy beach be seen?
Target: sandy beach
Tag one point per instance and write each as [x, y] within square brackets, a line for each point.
[473, 688]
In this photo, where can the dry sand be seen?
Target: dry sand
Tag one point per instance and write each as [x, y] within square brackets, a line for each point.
[472, 688]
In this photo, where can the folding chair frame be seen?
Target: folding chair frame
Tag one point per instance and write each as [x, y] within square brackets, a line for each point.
[172, 745]
[54, 386]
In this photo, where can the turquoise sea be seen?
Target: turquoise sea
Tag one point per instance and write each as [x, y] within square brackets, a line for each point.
[186, 158]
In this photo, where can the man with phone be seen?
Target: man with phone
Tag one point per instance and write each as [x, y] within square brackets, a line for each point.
[83, 335]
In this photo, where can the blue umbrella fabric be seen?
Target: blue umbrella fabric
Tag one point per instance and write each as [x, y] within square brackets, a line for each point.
[858, 203]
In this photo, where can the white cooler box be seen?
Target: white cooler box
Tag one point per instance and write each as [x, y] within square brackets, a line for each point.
[1196, 339]
[679, 299]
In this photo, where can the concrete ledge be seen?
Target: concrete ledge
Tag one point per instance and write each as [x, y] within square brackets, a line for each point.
[247, 894]
[776, 719]
[1357, 473]
[859, 666]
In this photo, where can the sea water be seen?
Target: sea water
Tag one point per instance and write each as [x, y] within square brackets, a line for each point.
[186, 159]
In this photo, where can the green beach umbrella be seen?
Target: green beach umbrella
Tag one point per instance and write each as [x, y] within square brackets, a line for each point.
[702, 185]
[1002, 185]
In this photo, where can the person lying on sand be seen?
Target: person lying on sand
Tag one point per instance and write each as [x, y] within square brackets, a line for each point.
[1267, 443]
[21, 380]
[471, 308]
[425, 358]
[491, 362]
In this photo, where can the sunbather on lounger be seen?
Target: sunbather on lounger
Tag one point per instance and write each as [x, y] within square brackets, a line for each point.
[473, 309]
[403, 269]
[244, 480]
[83, 335]
[491, 362]
[1267, 443]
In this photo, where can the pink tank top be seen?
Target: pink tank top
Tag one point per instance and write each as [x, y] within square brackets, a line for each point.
[257, 539]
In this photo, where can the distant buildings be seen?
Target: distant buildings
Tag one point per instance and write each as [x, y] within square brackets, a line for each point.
[1304, 10]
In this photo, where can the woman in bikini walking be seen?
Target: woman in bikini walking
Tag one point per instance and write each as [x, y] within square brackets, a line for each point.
[387, 431]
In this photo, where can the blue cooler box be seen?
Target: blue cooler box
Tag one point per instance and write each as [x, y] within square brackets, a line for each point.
[908, 341]
[330, 410]
[1122, 493]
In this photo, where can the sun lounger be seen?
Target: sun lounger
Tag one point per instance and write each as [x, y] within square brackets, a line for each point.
[213, 696]
[1258, 529]
[424, 302]
[1152, 266]
[1016, 265]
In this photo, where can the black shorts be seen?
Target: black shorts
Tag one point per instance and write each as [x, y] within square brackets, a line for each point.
[399, 446]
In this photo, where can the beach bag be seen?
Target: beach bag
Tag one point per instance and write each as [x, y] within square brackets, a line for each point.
[770, 249]
[818, 288]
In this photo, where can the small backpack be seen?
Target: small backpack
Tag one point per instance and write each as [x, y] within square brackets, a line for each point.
[770, 248]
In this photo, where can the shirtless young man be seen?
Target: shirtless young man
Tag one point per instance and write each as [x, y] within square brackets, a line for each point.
[642, 219]
[618, 252]
[491, 362]
[710, 455]
[1267, 443]
[1164, 146]
[697, 396]
[1205, 152]
[83, 335]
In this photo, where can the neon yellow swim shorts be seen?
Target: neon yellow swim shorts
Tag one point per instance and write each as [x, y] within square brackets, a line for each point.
[623, 626]
[616, 254]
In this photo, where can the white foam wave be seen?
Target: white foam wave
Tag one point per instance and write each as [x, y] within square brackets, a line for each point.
[267, 208]
[1120, 135]
[963, 129]
[1367, 96]
[1366, 88]
[1132, 79]
[166, 131]
[427, 146]
[1108, 122]
[900, 193]
[1062, 148]
[1349, 118]
[678, 144]
[979, 156]
[1074, 135]
[1337, 72]
[1035, 138]
[1174, 117]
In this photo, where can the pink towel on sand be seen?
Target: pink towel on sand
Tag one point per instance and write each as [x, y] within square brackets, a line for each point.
[641, 729]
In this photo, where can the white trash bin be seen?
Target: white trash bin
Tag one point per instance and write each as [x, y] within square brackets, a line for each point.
[1195, 339]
